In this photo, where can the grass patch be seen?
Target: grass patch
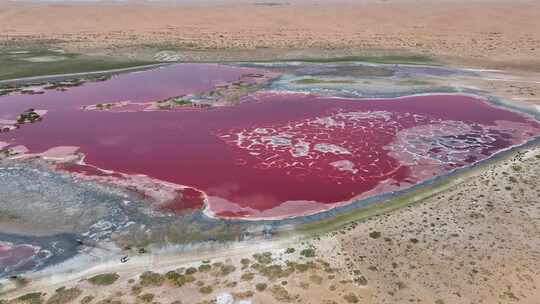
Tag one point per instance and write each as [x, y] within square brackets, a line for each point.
[415, 82]
[104, 279]
[323, 81]
[390, 59]
[21, 65]
[30, 298]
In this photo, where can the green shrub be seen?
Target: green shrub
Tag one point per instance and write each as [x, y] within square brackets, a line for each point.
[87, 299]
[191, 270]
[245, 262]
[263, 258]
[261, 286]
[308, 252]
[248, 276]
[204, 268]
[136, 289]
[227, 269]
[206, 289]
[375, 234]
[147, 297]
[351, 298]
[149, 278]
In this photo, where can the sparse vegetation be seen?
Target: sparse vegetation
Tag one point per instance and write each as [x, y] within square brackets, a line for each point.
[31, 298]
[323, 81]
[63, 295]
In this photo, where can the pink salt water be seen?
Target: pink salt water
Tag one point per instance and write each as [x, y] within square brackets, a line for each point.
[274, 155]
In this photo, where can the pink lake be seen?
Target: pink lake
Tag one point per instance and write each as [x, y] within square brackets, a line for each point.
[275, 155]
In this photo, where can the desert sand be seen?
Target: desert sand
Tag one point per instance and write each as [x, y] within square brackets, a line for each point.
[490, 33]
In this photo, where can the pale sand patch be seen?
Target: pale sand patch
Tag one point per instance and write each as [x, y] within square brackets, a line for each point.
[40, 59]
[7, 121]
[61, 153]
[19, 150]
[289, 209]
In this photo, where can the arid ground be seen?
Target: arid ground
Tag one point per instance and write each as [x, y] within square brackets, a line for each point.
[487, 33]
[474, 238]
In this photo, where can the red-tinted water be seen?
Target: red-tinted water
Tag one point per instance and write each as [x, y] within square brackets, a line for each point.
[18, 256]
[291, 150]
